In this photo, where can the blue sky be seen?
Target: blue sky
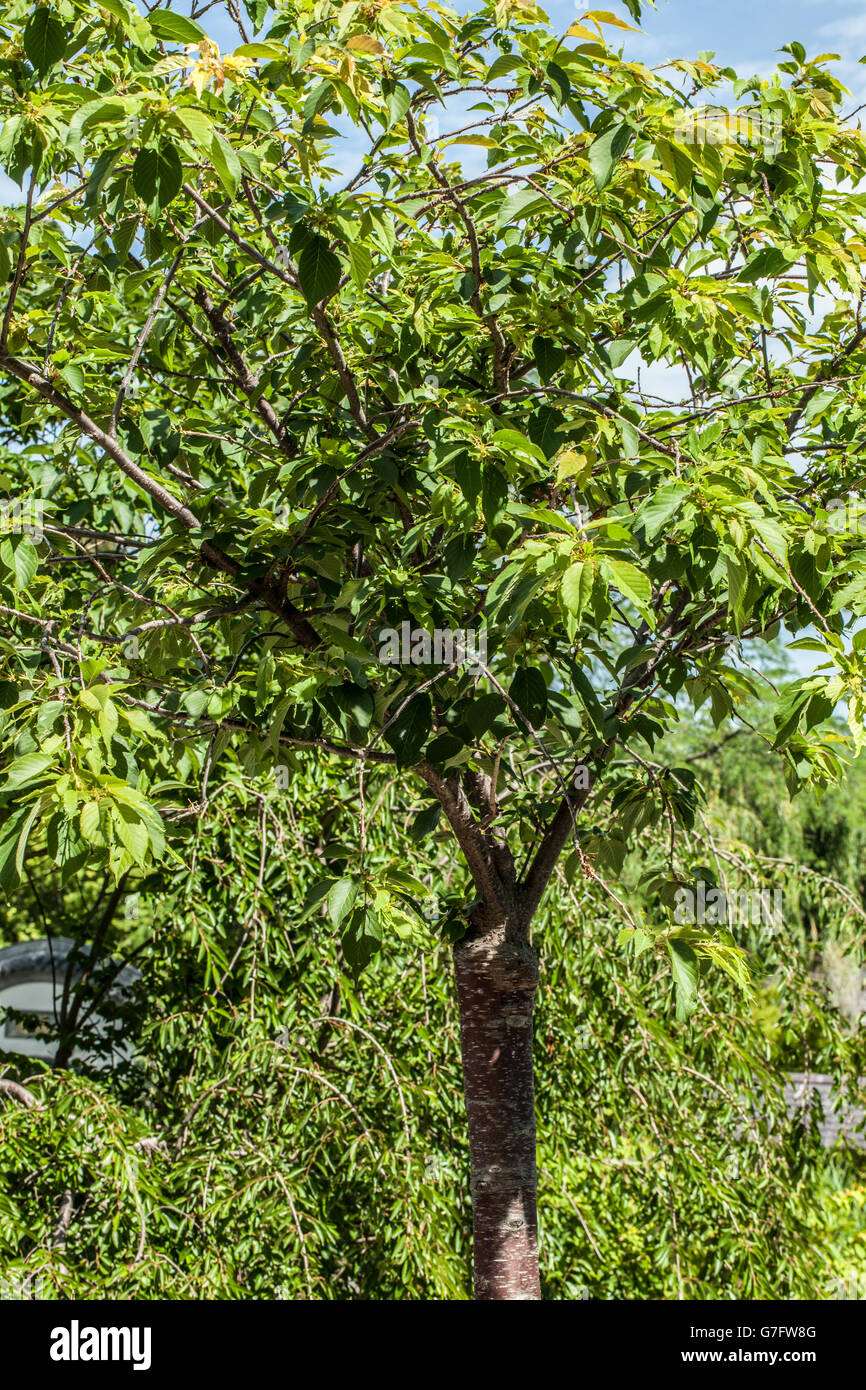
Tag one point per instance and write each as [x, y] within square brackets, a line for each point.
[747, 34]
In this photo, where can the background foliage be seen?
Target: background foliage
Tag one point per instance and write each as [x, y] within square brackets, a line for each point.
[274, 1139]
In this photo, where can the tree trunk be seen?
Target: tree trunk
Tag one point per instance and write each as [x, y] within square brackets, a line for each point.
[497, 974]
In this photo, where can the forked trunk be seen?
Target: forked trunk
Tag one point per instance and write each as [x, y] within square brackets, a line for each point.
[497, 974]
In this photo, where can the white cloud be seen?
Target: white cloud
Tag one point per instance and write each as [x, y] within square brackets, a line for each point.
[852, 27]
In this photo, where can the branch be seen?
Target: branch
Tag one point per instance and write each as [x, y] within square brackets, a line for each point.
[195, 726]
[20, 265]
[501, 357]
[142, 339]
[555, 839]
[246, 378]
[317, 313]
[347, 380]
[452, 798]
[12, 1088]
[238, 240]
[298, 625]
[563, 823]
[64, 1217]
[32, 377]
[822, 378]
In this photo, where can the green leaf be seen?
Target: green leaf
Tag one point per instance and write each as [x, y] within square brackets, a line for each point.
[517, 205]
[528, 690]
[789, 710]
[481, 712]
[318, 270]
[360, 263]
[316, 100]
[29, 768]
[355, 702]
[44, 39]
[619, 350]
[817, 405]
[226, 164]
[513, 442]
[409, 732]
[165, 24]
[677, 162]
[269, 51]
[89, 822]
[341, 898]
[560, 82]
[509, 62]
[658, 509]
[118, 9]
[73, 375]
[405, 882]
[361, 939]
[467, 475]
[629, 580]
[630, 439]
[424, 321]
[9, 834]
[131, 831]
[494, 494]
[113, 112]
[197, 125]
[315, 896]
[685, 969]
[442, 748]
[107, 719]
[397, 99]
[156, 833]
[425, 823]
[20, 557]
[543, 429]
[576, 587]
[157, 175]
[100, 174]
[604, 152]
[257, 11]
[47, 716]
[764, 265]
[549, 357]
[737, 576]
[25, 835]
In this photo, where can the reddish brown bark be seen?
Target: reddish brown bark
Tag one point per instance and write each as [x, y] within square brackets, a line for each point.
[497, 974]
